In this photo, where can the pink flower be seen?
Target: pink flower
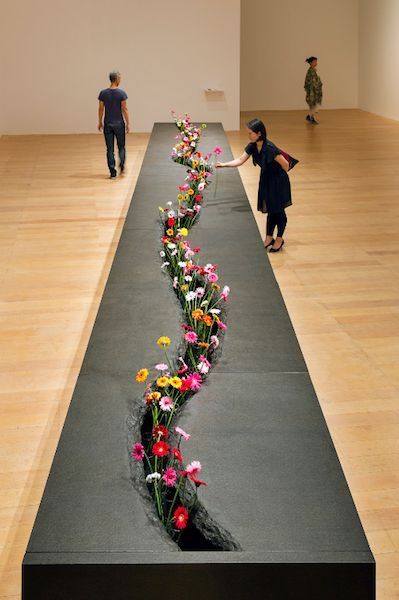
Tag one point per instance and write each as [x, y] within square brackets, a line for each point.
[166, 403]
[138, 451]
[218, 151]
[191, 337]
[185, 435]
[195, 381]
[200, 292]
[170, 477]
[204, 365]
[222, 325]
[215, 341]
[213, 277]
[184, 367]
[225, 292]
[161, 367]
[175, 282]
[194, 468]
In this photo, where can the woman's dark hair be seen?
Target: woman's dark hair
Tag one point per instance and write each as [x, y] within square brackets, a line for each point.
[310, 59]
[258, 126]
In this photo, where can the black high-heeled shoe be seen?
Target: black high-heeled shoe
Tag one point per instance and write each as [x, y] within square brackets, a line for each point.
[277, 249]
[269, 244]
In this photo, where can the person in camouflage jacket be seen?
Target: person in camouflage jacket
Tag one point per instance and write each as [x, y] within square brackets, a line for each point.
[313, 87]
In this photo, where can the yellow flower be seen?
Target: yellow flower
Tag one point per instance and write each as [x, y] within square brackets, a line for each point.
[197, 314]
[184, 287]
[163, 341]
[216, 318]
[176, 382]
[142, 375]
[190, 192]
[169, 232]
[203, 125]
[194, 164]
[183, 231]
[153, 397]
[180, 197]
[162, 381]
[216, 286]
[186, 197]
[161, 209]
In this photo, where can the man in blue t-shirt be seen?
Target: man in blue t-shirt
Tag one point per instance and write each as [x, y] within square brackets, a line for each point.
[116, 122]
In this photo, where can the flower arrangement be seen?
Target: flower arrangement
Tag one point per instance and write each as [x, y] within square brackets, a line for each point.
[172, 486]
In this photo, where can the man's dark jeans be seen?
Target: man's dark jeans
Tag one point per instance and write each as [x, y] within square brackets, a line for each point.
[112, 131]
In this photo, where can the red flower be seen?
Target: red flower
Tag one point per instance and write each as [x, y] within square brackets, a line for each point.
[171, 222]
[193, 478]
[180, 517]
[185, 385]
[160, 432]
[160, 449]
[198, 198]
[177, 454]
[196, 249]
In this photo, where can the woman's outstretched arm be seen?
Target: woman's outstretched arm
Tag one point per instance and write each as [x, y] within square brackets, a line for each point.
[237, 162]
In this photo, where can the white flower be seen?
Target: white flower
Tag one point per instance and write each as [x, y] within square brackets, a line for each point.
[182, 264]
[215, 311]
[171, 214]
[190, 296]
[162, 254]
[197, 208]
[200, 291]
[171, 246]
[201, 186]
[202, 368]
[189, 278]
[165, 264]
[173, 253]
[152, 477]
[204, 303]
[169, 203]
[214, 341]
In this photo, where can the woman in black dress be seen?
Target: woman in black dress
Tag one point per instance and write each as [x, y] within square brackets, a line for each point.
[274, 194]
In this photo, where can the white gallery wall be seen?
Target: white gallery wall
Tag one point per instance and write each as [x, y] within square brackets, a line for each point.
[55, 56]
[379, 57]
[276, 37]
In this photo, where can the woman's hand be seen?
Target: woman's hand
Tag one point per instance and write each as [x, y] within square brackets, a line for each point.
[219, 165]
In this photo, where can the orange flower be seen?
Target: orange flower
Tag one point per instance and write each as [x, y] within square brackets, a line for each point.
[203, 345]
[197, 314]
[191, 192]
[184, 287]
[216, 286]
[169, 232]
[142, 375]
[207, 319]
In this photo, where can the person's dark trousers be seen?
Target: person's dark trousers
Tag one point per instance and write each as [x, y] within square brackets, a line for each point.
[274, 220]
[112, 131]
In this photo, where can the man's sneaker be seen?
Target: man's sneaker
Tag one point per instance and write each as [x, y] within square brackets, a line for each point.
[112, 173]
[122, 167]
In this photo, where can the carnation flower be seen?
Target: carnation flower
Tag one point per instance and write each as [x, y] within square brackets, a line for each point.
[225, 292]
[190, 296]
[218, 151]
[160, 449]
[200, 291]
[213, 277]
[161, 367]
[169, 477]
[166, 403]
[152, 477]
[177, 454]
[204, 365]
[222, 325]
[180, 517]
[138, 451]
[194, 468]
[215, 341]
[142, 375]
[195, 381]
[181, 264]
[191, 337]
[215, 311]
[181, 431]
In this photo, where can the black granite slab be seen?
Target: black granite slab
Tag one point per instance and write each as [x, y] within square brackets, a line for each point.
[274, 479]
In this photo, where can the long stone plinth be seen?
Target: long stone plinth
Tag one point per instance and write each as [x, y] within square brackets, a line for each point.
[274, 479]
